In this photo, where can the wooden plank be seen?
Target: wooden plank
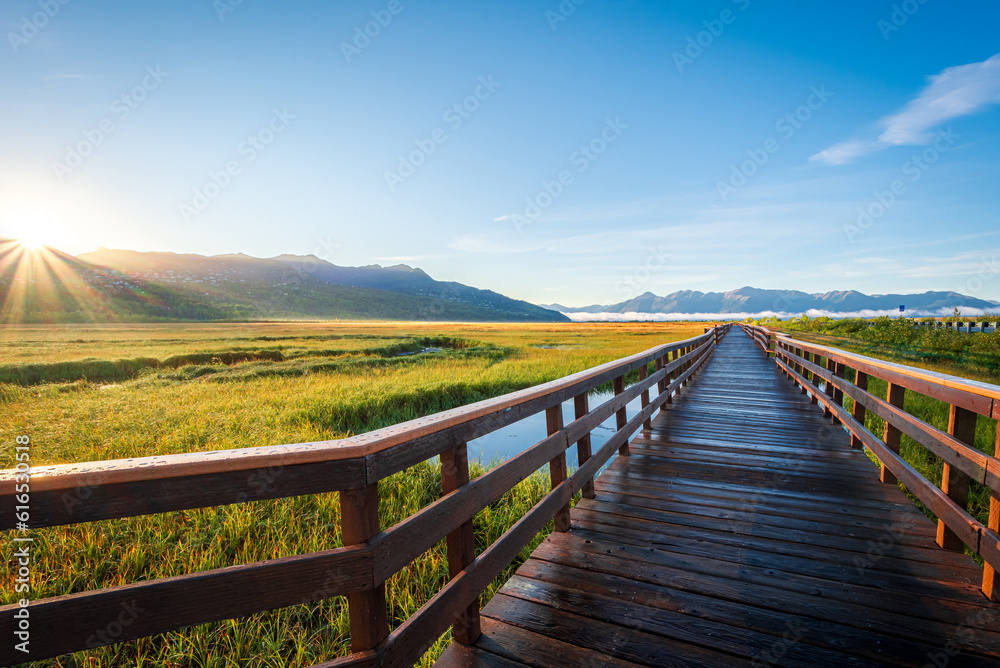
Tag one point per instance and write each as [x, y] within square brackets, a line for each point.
[633, 574]
[89, 497]
[64, 624]
[461, 656]
[462, 541]
[540, 650]
[721, 625]
[714, 576]
[369, 659]
[631, 645]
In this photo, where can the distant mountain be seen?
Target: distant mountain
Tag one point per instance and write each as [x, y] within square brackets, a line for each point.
[113, 285]
[754, 300]
[410, 280]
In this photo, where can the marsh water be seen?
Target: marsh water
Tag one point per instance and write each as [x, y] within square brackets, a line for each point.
[504, 443]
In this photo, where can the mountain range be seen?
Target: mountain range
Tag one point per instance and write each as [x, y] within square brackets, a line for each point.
[115, 285]
[755, 300]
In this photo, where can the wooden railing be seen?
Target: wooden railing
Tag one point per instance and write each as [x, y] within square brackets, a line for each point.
[76, 493]
[820, 371]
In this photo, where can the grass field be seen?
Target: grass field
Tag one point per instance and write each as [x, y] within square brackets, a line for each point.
[90, 392]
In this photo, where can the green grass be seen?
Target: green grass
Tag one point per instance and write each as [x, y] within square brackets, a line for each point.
[209, 387]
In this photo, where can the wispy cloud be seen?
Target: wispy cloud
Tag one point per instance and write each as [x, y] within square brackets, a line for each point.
[956, 91]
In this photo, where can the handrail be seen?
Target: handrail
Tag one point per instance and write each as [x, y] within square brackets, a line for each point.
[352, 466]
[808, 364]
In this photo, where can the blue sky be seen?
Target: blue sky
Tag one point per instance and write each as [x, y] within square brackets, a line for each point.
[596, 151]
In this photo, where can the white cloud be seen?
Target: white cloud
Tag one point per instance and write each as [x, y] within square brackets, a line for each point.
[845, 151]
[956, 91]
[633, 316]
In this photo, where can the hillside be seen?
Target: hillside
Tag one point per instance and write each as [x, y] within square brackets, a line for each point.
[117, 285]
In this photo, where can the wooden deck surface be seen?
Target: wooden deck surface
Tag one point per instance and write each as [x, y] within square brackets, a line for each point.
[742, 531]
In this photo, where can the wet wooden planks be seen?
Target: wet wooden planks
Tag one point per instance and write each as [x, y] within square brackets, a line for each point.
[741, 531]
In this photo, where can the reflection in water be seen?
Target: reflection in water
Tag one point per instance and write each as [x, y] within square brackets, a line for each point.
[502, 444]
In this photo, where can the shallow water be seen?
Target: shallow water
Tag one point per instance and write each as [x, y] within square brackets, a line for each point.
[512, 439]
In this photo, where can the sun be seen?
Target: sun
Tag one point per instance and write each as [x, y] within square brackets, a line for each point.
[32, 241]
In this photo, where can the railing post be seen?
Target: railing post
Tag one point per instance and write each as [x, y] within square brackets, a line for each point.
[801, 369]
[814, 389]
[838, 394]
[896, 395]
[990, 585]
[462, 541]
[621, 417]
[359, 522]
[772, 344]
[955, 483]
[662, 383]
[557, 465]
[670, 357]
[643, 374]
[831, 366]
[581, 406]
[861, 380]
[687, 364]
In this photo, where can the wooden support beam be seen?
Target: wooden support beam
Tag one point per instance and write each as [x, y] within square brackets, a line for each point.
[581, 406]
[644, 398]
[991, 583]
[861, 380]
[360, 522]
[621, 417]
[461, 542]
[557, 465]
[838, 394]
[670, 376]
[895, 396]
[955, 483]
[830, 364]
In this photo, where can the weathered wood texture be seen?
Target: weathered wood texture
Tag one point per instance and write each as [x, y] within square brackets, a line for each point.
[742, 530]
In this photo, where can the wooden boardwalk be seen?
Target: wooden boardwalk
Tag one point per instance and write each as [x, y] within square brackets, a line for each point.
[741, 531]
